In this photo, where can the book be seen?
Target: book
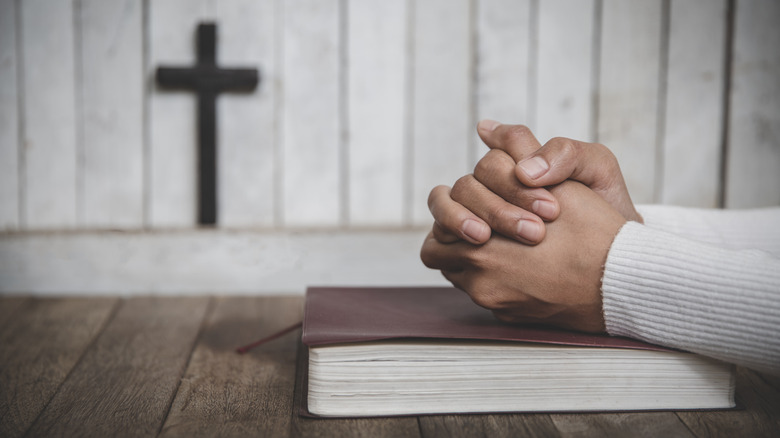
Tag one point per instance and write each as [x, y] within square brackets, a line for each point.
[416, 351]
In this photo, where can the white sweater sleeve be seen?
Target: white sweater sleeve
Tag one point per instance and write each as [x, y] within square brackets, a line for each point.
[733, 229]
[685, 294]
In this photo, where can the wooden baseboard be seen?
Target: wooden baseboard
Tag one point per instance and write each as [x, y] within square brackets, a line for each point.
[208, 261]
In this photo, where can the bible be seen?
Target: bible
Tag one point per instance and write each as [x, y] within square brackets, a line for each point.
[414, 351]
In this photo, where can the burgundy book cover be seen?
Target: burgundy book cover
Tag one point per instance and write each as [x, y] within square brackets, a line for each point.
[335, 315]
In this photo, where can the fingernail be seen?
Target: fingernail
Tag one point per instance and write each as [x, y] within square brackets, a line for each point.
[488, 125]
[474, 230]
[545, 209]
[530, 230]
[534, 167]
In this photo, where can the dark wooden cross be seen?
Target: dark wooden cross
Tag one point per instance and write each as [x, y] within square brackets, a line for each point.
[207, 80]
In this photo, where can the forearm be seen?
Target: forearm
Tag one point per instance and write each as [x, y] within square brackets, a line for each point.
[733, 229]
[677, 292]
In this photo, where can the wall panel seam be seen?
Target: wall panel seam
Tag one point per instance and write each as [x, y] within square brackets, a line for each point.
[473, 149]
[21, 122]
[79, 112]
[408, 147]
[595, 70]
[279, 102]
[533, 66]
[146, 99]
[663, 85]
[343, 104]
[728, 69]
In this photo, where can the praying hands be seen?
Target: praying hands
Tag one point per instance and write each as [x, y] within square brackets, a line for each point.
[557, 281]
[549, 235]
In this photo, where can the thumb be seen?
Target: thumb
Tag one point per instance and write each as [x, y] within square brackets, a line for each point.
[516, 140]
[592, 164]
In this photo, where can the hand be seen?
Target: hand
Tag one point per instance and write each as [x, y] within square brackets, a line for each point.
[515, 208]
[556, 282]
[492, 197]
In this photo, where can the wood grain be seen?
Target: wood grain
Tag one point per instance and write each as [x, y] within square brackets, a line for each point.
[509, 425]
[247, 189]
[9, 118]
[125, 382]
[758, 404]
[49, 113]
[10, 307]
[753, 173]
[640, 424]
[148, 366]
[38, 349]
[224, 393]
[111, 56]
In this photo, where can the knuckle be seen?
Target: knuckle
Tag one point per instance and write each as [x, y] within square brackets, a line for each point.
[424, 250]
[427, 260]
[501, 214]
[488, 165]
[566, 147]
[462, 187]
[522, 196]
[478, 259]
[435, 193]
[516, 133]
[607, 155]
[428, 256]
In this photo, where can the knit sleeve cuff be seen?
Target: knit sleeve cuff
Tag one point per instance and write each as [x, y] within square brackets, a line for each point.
[667, 290]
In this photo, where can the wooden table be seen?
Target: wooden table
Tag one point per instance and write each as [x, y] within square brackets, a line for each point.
[151, 366]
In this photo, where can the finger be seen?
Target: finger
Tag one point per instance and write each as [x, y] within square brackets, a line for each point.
[454, 221]
[443, 235]
[592, 164]
[496, 171]
[445, 257]
[563, 158]
[516, 140]
[503, 217]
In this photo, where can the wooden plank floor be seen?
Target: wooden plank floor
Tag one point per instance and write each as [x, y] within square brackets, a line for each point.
[150, 366]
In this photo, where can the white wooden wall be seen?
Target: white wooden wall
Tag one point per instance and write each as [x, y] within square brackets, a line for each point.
[364, 106]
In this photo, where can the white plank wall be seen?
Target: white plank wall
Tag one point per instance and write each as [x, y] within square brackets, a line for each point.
[628, 89]
[565, 65]
[172, 113]
[504, 32]
[442, 89]
[311, 115]
[692, 134]
[377, 77]
[753, 174]
[49, 137]
[247, 122]
[9, 119]
[363, 106]
[112, 95]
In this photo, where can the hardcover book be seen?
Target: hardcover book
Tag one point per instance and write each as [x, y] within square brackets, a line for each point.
[413, 351]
